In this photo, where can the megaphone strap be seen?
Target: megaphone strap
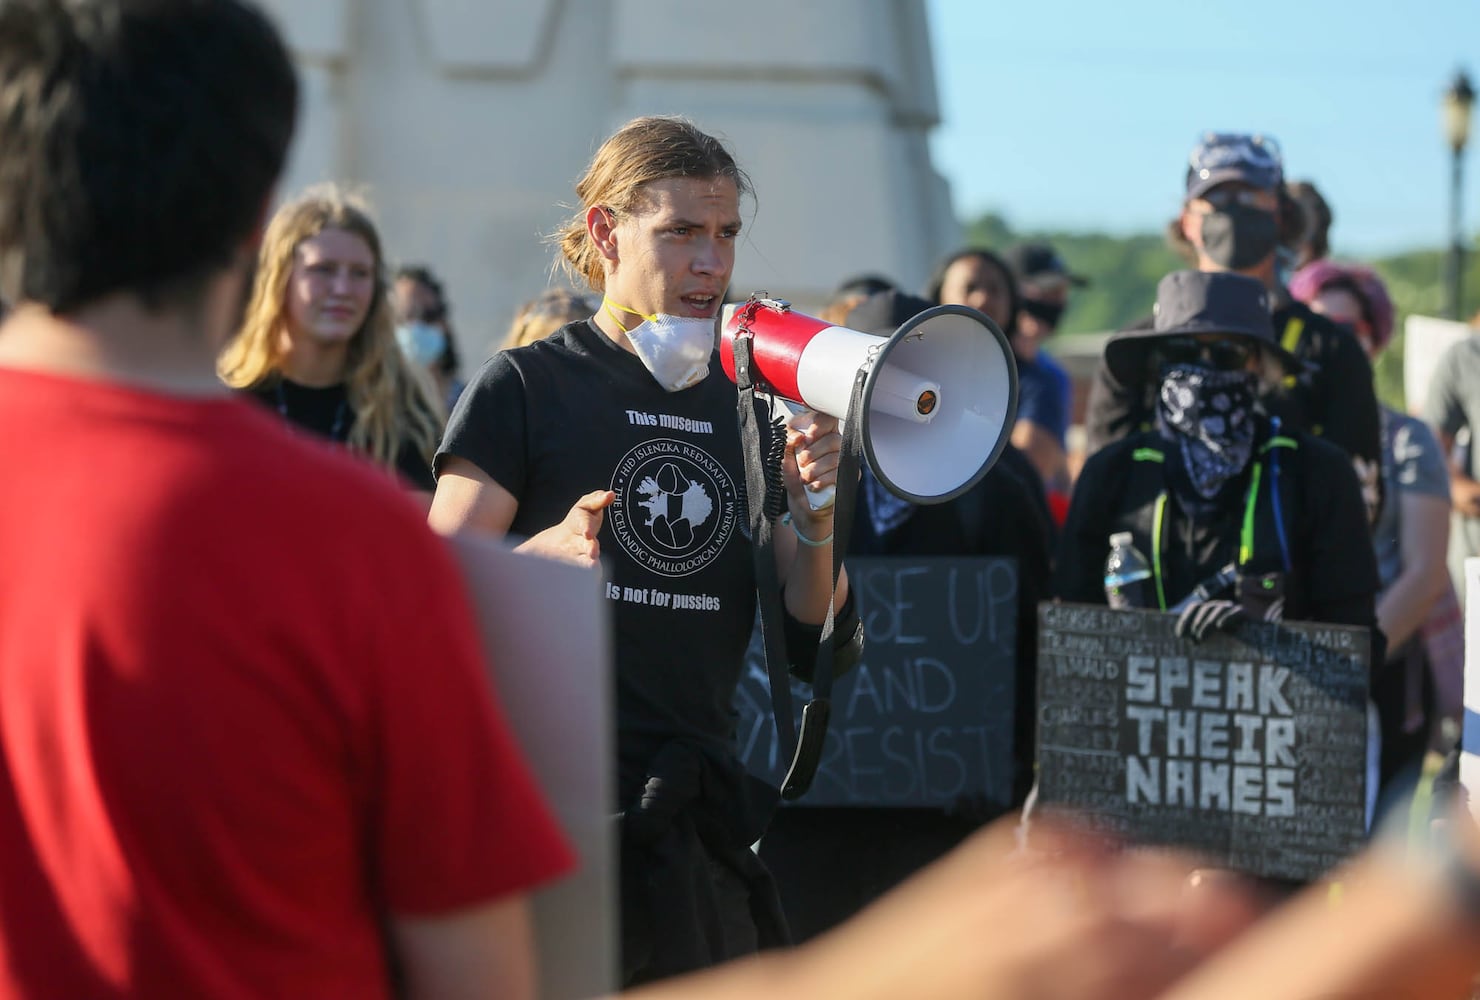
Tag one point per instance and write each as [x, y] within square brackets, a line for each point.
[843, 509]
[768, 593]
[804, 749]
[810, 744]
[815, 715]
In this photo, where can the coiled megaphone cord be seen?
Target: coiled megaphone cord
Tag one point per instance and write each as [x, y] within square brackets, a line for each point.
[775, 504]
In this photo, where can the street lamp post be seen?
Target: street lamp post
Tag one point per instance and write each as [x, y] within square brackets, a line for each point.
[1457, 101]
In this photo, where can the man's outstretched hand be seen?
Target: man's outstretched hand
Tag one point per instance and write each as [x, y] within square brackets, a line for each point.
[573, 540]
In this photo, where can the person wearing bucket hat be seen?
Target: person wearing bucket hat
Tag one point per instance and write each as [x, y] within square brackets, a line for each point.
[1267, 520]
[1237, 216]
[1192, 306]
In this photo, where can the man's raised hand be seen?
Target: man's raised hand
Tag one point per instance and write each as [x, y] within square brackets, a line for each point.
[814, 449]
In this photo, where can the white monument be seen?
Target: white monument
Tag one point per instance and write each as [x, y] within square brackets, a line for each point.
[468, 121]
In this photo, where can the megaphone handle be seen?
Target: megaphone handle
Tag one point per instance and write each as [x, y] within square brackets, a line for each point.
[820, 499]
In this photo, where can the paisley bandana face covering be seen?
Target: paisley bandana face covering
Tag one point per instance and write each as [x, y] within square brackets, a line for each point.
[675, 349]
[1210, 414]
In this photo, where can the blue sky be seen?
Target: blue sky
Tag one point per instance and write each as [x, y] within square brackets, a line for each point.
[1079, 114]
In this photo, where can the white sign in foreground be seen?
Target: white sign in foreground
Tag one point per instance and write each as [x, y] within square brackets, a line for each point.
[545, 634]
[1425, 339]
[1469, 759]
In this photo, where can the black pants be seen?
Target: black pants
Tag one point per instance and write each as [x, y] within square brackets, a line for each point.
[735, 921]
[830, 862]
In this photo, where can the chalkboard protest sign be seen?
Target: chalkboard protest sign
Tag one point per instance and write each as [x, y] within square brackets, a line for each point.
[927, 716]
[1248, 748]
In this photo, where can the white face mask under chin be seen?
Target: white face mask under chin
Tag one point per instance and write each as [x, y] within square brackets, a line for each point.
[675, 349]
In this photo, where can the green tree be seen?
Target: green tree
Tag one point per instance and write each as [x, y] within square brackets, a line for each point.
[1122, 270]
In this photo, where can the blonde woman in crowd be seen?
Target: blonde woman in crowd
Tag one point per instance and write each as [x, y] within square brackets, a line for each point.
[318, 340]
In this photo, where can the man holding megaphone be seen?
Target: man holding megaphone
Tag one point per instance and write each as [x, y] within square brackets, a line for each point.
[616, 439]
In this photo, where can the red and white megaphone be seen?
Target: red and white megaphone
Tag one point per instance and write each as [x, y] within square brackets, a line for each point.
[939, 400]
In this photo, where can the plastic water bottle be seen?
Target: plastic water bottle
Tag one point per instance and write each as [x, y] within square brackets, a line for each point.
[1126, 573]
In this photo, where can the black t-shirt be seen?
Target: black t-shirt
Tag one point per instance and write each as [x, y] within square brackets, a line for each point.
[325, 411]
[1334, 400]
[573, 413]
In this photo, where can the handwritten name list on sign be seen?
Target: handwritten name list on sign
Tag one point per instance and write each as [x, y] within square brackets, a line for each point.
[1249, 747]
[927, 716]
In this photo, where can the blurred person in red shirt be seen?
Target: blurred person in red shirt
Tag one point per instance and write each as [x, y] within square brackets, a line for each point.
[225, 769]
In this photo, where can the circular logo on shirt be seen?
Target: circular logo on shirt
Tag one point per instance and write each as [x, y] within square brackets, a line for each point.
[675, 508]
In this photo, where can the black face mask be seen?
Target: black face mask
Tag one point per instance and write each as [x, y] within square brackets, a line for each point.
[1047, 313]
[1238, 237]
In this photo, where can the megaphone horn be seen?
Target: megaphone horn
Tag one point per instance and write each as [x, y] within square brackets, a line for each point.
[938, 403]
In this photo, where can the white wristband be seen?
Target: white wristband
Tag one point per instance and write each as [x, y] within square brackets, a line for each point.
[786, 519]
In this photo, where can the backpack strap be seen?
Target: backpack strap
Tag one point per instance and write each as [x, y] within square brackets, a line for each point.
[1270, 453]
[1143, 458]
[1289, 340]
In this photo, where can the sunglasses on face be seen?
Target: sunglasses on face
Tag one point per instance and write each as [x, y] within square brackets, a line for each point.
[1224, 355]
[1222, 198]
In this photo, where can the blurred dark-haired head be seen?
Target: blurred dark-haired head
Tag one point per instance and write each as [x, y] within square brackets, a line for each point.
[418, 296]
[851, 292]
[1314, 243]
[138, 146]
[883, 313]
[978, 278]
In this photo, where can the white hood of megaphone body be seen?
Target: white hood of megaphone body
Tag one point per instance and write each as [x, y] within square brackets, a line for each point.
[939, 399]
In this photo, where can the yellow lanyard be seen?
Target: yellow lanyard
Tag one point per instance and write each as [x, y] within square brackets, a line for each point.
[1246, 535]
[610, 308]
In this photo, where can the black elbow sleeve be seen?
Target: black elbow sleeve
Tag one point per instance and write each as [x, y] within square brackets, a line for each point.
[802, 640]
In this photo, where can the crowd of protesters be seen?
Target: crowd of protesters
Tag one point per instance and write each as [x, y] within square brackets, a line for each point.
[226, 769]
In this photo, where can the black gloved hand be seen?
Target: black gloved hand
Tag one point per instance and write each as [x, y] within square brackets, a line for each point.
[1263, 596]
[1201, 617]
